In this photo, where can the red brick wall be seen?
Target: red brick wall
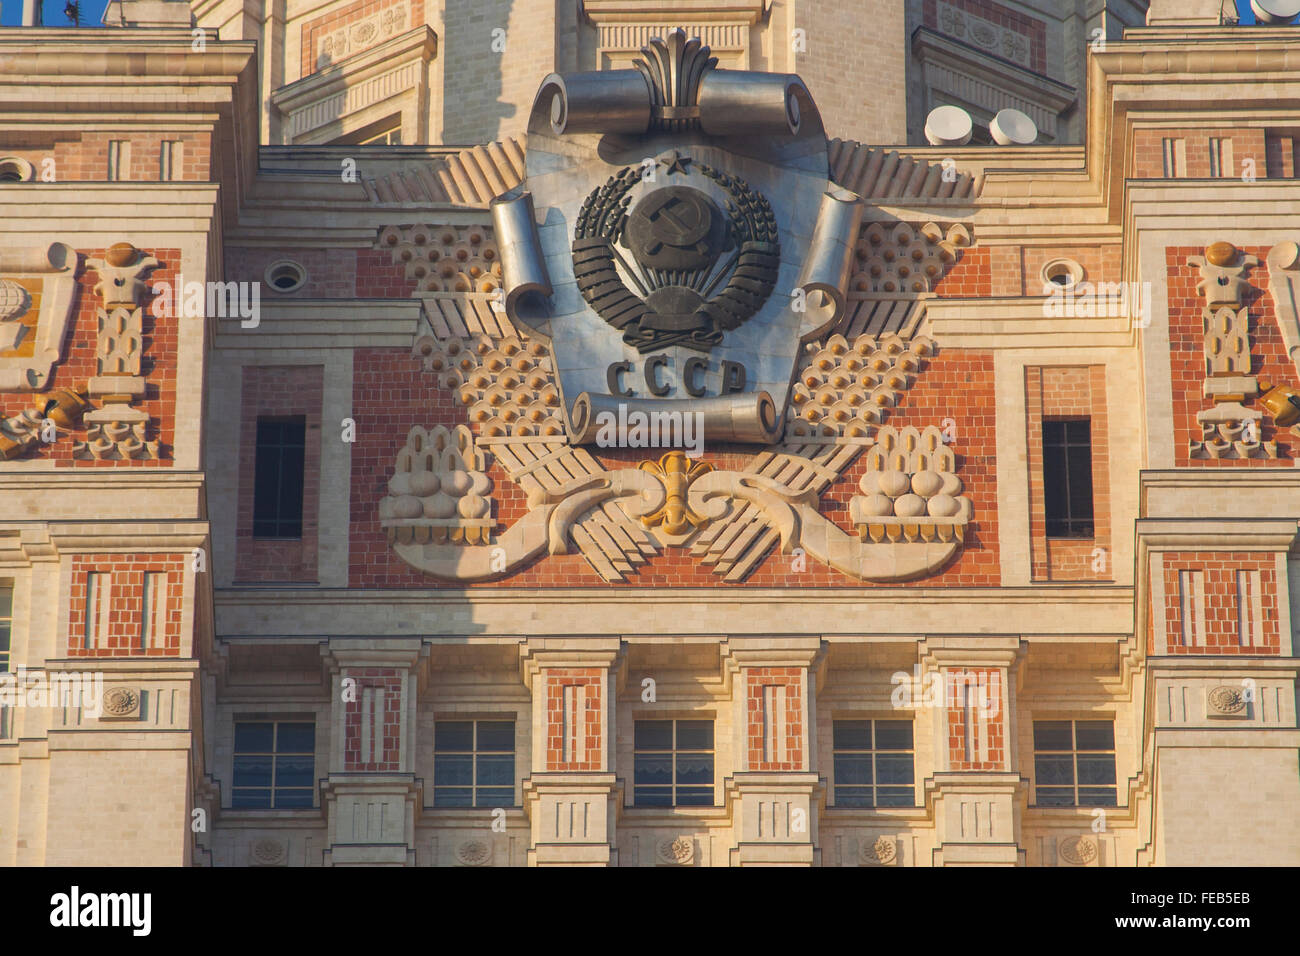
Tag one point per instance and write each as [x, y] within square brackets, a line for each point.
[590, 736]
[78, 366]
[126, 604]
[1067, 392]
[1033, 30]
[391, 393]
[1016, 270]
[994, 751]
[1222, 632]
[83, 157]
[273, 391]
[313, 30]
[756, 680]
[1149, 161]
[385, 748]
[1187, 357]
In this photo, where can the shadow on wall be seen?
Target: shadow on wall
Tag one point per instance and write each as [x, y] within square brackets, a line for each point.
[478, 45]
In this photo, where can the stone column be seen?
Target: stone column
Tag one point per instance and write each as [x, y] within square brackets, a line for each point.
[976, 791]
[371, 796]
[775, 790]
[571, 796]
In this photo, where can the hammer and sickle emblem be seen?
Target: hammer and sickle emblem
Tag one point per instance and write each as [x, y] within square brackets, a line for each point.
[675, 228]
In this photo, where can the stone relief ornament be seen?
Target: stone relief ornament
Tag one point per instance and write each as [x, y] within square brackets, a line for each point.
[1226, 702]
[473, 853]
[676, 249]
[37, 286]
[121, 702]
[679, 851]
[116, 430]
[882, 852]
[1228, 428]
[268, 851]
[439, 490]
[1078, 851]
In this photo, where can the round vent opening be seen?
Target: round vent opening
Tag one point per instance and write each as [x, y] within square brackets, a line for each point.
[285, 276]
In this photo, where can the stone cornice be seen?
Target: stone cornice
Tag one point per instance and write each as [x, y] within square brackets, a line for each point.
[1216, 534]
[1051, 612]
[324, 323]
[1018, 322]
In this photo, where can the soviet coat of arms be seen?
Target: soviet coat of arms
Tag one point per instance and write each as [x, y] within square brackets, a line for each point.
[677, 248]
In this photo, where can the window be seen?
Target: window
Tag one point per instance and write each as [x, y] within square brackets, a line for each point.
[6, 623]
[673, 763]
[1067, 477]
[474, 763]
[274, 765]
[1074, 763]
[278, 479]
[873, 763]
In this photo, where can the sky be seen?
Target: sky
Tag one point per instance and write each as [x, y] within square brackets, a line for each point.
[91, 11]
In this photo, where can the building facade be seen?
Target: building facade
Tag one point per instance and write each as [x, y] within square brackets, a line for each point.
[502, 434]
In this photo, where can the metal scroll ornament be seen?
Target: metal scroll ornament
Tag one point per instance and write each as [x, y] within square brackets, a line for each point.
[676, 247]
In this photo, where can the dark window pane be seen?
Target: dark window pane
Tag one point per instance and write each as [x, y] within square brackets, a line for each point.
[250, 799]
[1096, 796]
[498, 770]
[452, 796]
[895, 796]
[278, 478]
[694, 735]
[695, 796]
[653, 735]
[653, 769]
[252, 771]
[453, 770]
[1054, 770]
[254, 738]
[894, 768]
[1055, 796]
[496, 735]
[453, 735]
[853, 796]
[893, 735]
[852, 735]
[1096, 770]
[495, 797]
[653, 796]
[6, 602]
[295, 738]
[1067, 477]
[695, 768]
[1094, 735]
[292, 799]
[853, 769]
[1053, 735]
[293, 771]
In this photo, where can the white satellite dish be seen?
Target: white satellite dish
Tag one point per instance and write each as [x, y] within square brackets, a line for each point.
[1275, 11]
[1013, 128]
[948, 126]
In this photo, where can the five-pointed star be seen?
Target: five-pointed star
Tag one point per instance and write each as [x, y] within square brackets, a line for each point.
[676, 164]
